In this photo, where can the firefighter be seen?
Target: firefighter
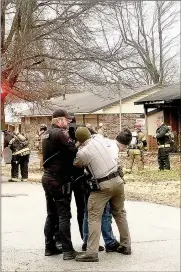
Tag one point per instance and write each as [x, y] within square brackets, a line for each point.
[172, 139]
[101, 130]
[163, 141]
[136, 148]
[18, 144]
[38, 142]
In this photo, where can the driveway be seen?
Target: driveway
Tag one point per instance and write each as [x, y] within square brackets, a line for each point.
[155, 232]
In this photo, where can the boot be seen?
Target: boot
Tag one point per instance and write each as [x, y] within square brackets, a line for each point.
[24, 180]
[69, 255]
[52, 250]
[124, 250]
[112, 248]
[13, 180]
[87, 257]
[84, 247]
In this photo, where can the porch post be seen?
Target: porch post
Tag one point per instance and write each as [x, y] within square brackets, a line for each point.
[146, 123]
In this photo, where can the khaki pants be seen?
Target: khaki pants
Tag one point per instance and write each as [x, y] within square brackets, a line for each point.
[113, 191]
[135, 155]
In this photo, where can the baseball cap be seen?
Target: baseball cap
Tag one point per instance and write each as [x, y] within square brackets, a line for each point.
[61, 113]
[124, 137]
[82, 134]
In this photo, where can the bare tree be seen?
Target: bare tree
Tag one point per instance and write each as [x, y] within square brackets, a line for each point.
[53, 46]
[47, 43]
[145, 29]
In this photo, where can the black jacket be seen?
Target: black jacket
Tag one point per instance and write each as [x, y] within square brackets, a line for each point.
[55, 141]
[72, 130]
[161, 136]
[16, 145]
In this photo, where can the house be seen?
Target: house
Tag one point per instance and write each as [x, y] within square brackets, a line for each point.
[13, 126]
[92, 107]
[164, 105]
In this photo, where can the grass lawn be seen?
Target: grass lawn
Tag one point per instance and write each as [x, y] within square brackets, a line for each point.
[161, 187]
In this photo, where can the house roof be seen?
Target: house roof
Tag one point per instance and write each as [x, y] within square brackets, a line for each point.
[167, 94]
[85, 102]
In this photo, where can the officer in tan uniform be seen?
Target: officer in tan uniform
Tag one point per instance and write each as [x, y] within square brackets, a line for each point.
[38, 142]
[135, 149]
[101, 157]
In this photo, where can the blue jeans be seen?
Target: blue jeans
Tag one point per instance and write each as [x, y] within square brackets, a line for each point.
[106, 226]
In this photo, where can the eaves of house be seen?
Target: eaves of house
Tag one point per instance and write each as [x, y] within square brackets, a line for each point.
[88, 102]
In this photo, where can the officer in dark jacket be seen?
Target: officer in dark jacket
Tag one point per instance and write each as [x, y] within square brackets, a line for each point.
[18, 144]
[163, 140]
[77, 189]
[58, 155]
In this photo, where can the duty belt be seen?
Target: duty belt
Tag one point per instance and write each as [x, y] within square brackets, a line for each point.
[110, 176]
[164, 145]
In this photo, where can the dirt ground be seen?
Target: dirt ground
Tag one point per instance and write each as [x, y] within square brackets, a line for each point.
[161, 187]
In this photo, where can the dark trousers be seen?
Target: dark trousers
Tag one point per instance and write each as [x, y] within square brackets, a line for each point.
[22, 162]
[58, 208]
[80, 203]
[163, 158]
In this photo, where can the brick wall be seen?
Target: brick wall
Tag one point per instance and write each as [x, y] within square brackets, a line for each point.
[30, 125]
[112, 122]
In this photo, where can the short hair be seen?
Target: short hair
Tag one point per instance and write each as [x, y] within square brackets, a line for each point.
[124, 137]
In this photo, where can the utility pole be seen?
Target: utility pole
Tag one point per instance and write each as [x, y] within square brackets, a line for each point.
[119, 87]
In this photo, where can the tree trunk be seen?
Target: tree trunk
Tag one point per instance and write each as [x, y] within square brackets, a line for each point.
[3, 127]
[159, 7]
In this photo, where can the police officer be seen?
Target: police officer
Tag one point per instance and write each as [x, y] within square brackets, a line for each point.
[101, 159]
[163, 141]
[18, 144]
[77, 189]
[38, 142]
[111, 244]
[135, 149]
[58, 155]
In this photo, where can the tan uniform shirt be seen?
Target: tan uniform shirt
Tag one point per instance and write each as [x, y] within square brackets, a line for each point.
[100, 155]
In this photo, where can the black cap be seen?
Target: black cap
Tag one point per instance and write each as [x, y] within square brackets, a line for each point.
[61, 113]
[124, 137]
